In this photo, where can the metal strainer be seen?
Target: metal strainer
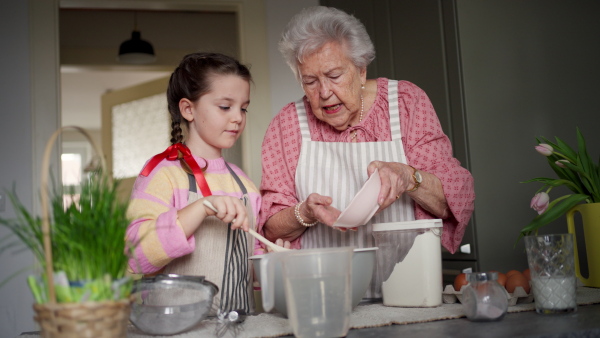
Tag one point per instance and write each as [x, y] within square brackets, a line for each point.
[170, 304]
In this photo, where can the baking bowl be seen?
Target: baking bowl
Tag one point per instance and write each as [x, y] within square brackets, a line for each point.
[170, 304]
[363, 265]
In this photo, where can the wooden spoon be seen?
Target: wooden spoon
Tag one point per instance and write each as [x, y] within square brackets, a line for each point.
[263, 240]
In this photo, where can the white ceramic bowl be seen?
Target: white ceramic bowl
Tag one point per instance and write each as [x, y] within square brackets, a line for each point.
[363, 205]
[363, 265]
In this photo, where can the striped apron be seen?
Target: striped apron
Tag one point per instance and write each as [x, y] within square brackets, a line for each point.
[338, 170]
[221, 256]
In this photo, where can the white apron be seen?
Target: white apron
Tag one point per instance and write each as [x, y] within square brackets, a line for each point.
[221, 256]
[338, 170]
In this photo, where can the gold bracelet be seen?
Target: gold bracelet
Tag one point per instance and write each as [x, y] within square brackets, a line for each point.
[299, 218]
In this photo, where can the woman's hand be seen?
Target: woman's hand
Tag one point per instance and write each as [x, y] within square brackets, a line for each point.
[396, 178]
[230, 209]
[284, 225]
[318, 208]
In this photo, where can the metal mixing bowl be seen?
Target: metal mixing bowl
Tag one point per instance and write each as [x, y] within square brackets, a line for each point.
[170, 304]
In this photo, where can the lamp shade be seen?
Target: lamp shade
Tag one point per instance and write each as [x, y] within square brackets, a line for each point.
[136, 50]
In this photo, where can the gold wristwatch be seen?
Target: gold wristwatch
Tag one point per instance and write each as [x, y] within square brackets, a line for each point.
[417, 178]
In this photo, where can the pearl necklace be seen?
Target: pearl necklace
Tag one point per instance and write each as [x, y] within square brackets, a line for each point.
[360, 117]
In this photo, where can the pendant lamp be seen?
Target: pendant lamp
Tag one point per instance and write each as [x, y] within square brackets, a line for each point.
[136, 50]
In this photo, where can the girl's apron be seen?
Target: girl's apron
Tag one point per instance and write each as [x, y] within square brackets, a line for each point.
[221, 256]
[338, 170]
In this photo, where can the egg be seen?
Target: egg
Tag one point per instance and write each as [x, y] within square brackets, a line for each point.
[515, 280]
[527, 274]
[511, 272]
[502, 279]
[460, 280]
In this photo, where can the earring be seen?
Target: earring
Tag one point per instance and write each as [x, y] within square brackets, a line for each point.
[362, 86]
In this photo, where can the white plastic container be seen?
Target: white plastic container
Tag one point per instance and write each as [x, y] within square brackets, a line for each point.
[409, 262]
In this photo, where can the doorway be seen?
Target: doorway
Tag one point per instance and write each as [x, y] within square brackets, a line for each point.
[89, 42]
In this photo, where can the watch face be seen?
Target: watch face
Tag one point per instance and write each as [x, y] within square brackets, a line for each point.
[418, 177]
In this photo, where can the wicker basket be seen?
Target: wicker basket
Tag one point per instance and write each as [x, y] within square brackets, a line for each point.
[87, 319]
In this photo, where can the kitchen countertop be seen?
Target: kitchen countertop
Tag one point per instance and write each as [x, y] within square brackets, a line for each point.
[448, 320]
[585, 322]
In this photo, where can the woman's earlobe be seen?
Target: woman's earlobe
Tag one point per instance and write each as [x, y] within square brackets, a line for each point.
[363, 75]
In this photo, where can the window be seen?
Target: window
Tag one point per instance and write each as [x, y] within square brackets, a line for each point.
[74, 157]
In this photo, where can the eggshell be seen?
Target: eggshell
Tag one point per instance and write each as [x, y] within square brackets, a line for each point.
[511, 272]
[502, 279]
[527, 274]
[517, 279]
[460, 280]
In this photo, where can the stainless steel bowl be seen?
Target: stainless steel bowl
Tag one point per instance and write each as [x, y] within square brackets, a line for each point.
[170, 304]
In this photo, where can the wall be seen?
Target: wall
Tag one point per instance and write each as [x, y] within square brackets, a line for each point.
[284, 86]
[17, 141]
[529, 69]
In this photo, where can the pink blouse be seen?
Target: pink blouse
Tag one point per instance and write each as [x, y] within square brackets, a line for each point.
[426, 146]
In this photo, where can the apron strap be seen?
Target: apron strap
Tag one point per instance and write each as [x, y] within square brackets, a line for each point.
[234, 290]
[394, 110]
[237, 179]
[192, 181]
[303, 120]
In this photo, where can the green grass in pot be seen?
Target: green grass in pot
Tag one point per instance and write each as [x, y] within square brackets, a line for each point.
[88, 243]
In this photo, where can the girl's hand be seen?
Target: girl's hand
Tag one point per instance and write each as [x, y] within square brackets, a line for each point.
[281, 242]
[230, 210]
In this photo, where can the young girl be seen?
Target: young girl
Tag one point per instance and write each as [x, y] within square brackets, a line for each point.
[208, 98]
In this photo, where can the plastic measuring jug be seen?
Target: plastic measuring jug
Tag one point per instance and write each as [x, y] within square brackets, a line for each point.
[318, 289]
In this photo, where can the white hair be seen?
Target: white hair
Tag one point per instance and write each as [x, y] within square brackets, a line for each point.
[315, 26]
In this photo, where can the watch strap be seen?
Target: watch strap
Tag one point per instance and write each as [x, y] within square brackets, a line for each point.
[416, 182]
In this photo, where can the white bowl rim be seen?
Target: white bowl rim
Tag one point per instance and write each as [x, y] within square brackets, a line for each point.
[366, 249]
[355, 250]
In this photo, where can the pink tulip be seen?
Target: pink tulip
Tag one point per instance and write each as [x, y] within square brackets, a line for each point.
[561, 163]
[544, 149]
[539, 202]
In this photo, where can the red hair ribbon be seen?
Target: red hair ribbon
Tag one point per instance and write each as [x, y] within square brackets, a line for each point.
[172, 154]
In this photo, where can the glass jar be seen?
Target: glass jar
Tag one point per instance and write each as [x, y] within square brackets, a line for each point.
[483, 299]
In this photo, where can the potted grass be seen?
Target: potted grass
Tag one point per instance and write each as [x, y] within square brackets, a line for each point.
[82, 288]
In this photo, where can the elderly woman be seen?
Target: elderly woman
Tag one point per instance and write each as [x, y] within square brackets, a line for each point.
[318, 151]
